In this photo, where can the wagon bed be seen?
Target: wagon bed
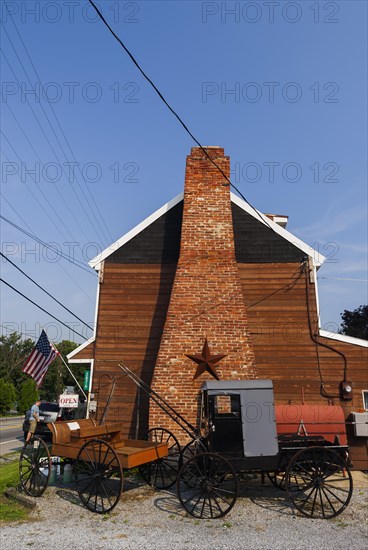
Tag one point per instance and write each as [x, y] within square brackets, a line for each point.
[69, 437]
[98, 454]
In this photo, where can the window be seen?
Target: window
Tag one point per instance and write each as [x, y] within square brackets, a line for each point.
[365, 399]
[227, 406]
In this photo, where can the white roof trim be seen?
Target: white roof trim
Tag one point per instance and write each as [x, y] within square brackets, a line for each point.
[344, 338]
[317, 258]
[95, 262]
[78, 349]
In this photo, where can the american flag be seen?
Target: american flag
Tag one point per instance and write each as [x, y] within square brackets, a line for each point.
[38, 362]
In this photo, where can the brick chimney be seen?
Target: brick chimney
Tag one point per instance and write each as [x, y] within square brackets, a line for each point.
[206, 303]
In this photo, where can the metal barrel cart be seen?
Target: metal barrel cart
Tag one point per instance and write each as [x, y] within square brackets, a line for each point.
[99, 455]
[238, 435]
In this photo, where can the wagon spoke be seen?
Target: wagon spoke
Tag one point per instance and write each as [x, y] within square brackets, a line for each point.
[220, 496]
[333, 494]
[217, 504]
[328, 500]
[321, 500]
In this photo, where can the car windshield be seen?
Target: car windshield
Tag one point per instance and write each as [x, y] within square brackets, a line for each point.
[51, 407]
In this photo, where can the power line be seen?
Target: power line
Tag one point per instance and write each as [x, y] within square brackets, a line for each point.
[344, 279]
[45, 291]
[55, 186]
[15, 212]
[60, 127]
[57, 139]
[41, 308]
[59, 264]
[40, 190]
[173, 111]
[65, 256]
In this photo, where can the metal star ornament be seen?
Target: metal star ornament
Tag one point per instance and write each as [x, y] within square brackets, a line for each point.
[206, 362]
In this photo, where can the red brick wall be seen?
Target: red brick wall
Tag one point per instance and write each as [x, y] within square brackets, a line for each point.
[206, 299]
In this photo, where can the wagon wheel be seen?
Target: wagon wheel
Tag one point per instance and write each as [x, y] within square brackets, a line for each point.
[162, 473]
[193, 448]
[207, 486]
[319, 482]
[99, 476]
[34, 467]
[277, 478]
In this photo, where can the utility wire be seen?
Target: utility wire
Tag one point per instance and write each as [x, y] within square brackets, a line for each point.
[59, 264]
[41, 308]
[45, 291]
[57, 139]
[174, 112]
[15, 212]
[65, 256]
[57, 120]
[42, 193]
[343, 279]
[55, 186]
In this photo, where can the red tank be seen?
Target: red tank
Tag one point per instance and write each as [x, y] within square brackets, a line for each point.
[327, 421]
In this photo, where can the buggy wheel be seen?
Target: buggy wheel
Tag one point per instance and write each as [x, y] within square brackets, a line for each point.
[277, 478]
[193, 448]
[207, 486]
[319, 482]
[162, 473]
[34, 467]
[98, 476]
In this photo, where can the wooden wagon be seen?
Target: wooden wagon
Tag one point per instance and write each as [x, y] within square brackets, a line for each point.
[99, 455]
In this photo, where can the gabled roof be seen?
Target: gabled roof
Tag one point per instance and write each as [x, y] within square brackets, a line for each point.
[317, 258]
[80, 348]
[343, 338]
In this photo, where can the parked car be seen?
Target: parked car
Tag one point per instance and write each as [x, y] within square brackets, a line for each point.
[49, 412]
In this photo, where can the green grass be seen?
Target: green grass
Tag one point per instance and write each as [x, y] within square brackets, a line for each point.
[9, 475]
[9, 509]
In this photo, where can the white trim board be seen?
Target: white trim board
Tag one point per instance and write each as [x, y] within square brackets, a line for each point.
[344, 338]
[79, 349]
[317, 258]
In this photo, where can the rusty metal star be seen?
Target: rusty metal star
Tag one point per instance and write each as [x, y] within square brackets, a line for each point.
[206, 362]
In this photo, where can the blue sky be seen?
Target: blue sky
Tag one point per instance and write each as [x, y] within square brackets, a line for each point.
[282, 86]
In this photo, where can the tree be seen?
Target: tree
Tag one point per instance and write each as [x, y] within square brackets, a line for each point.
[355, 323]
[7, 396]
[13, 353]
[58, 376]
[28, 395]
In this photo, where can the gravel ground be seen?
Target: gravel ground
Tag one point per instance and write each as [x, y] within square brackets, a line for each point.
[145, 520]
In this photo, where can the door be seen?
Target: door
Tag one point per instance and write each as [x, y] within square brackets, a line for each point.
[225, 423]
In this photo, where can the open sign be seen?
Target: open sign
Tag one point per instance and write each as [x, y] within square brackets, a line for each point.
[68, 400]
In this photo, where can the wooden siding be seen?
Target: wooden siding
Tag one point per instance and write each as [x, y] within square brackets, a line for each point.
[160, 241]
[133, 305]
[86, 353]
[134, 298]
[132, 311]
[275, 297]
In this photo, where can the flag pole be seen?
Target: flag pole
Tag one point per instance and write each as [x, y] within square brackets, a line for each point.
[67, 366]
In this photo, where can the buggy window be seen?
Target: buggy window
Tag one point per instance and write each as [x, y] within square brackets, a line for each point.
[226, 406]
